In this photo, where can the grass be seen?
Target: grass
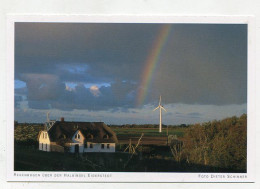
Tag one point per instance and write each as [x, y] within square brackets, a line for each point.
[28, 158]
[148, 131]
[153, 159]
[31, 159]
[30, 132]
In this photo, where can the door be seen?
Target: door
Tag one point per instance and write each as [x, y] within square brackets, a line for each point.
[76, 148]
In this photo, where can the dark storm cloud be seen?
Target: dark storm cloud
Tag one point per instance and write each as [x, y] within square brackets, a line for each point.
[82, 98]
[40, 104]
[17, 100]
[43, 86]
[108, 49]
[200, 63]
[21, 91]
[194, 115]
[205, 64]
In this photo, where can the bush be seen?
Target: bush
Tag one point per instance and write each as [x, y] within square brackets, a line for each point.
[218, 143]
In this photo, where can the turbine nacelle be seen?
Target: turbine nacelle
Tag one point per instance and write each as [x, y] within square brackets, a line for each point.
[161, 107]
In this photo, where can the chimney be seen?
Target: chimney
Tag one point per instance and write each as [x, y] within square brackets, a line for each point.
[62, 119]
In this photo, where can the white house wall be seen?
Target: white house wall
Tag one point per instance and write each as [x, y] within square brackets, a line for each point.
[44, 142]
[97, 147]
[72, 147]
[78, 140]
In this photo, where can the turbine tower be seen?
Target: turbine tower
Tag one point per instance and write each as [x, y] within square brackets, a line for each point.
[48, 119]
[160, 109]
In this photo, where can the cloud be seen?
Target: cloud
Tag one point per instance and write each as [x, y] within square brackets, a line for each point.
[134, 116]
[199, 64]
[40, 104]
[40, 95]
[203, 64]
[21, 91]
[43, 86]
[94, 90]
[195, 115]
[68, 88]
[17, 100]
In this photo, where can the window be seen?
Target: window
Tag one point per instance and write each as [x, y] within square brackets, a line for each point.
[108, 146]
[102, 146]
[77, 136]
[90, 136]
[105, 137]
[91, 145]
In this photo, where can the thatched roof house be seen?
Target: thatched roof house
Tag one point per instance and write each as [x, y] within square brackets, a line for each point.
[78, 137]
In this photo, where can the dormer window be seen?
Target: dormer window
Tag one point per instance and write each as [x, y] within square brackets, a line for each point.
[77, 136]
[63, 136]
[105, 137]
[44, 135]
[90, 136]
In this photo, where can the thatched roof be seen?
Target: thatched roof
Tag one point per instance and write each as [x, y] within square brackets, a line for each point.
[97, 132]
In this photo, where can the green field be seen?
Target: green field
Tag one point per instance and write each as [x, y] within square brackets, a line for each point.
[28, 158]
[208, 147]
[135, 132]
[25, 132]
[153, 159]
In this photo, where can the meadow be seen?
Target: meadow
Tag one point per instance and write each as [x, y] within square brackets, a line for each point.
[206, 147]
[153, 159]
[135, 132]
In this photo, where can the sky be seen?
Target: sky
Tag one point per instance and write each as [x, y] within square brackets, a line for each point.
[116, 72]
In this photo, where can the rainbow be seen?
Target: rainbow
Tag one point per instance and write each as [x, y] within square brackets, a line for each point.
[152, 63]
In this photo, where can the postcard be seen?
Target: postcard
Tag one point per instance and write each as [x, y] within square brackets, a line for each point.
[130, 99]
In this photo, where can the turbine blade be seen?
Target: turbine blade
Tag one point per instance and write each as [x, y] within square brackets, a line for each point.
[156, 108]
[160, 99]
[163, 108]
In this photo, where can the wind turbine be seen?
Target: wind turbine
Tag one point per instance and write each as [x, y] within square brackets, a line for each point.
[160, 109]
[48, 119]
